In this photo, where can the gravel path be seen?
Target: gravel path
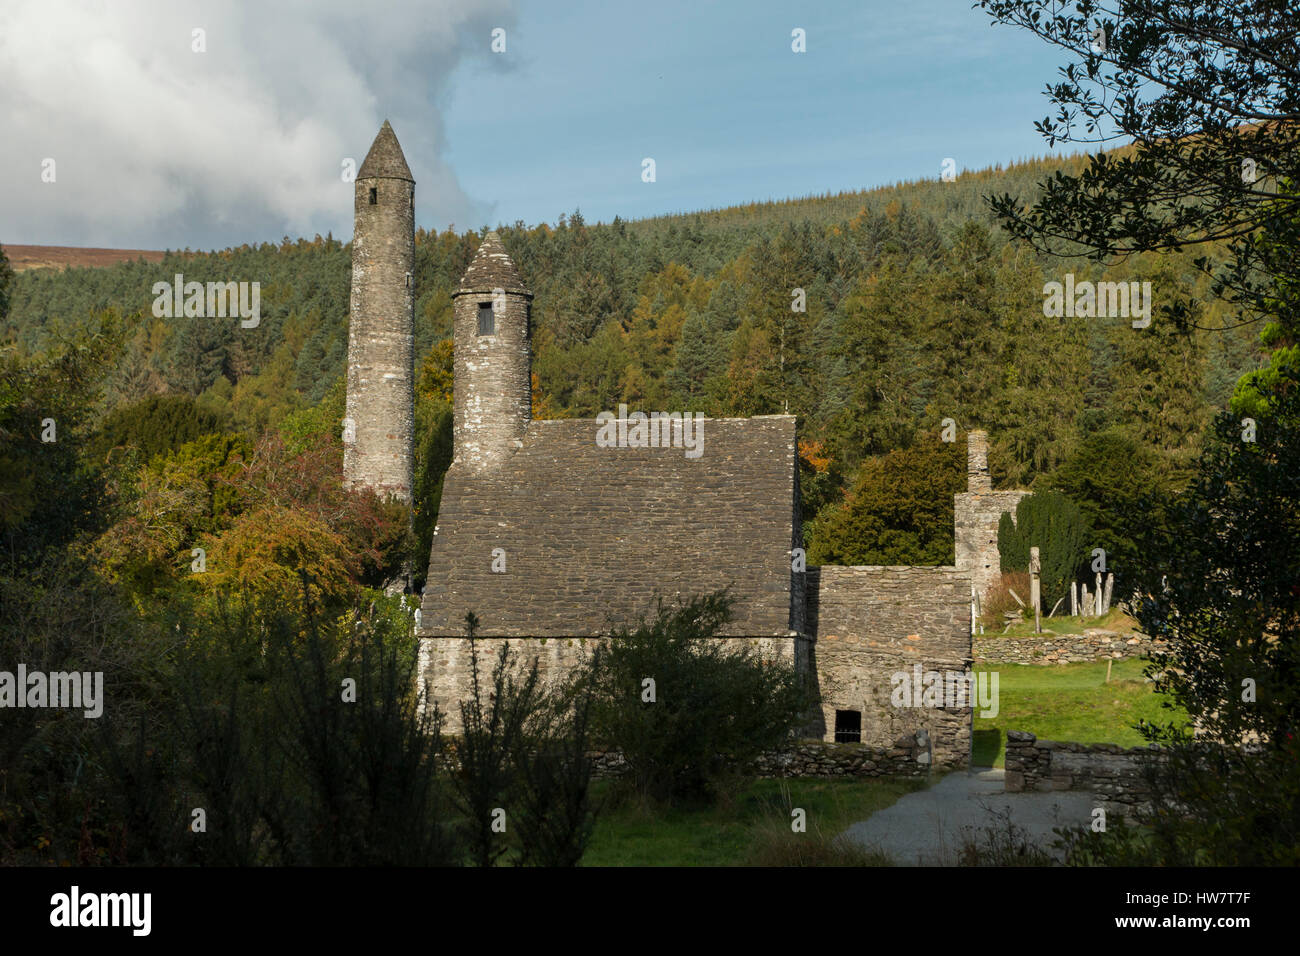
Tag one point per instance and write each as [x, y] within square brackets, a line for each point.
[928, 828]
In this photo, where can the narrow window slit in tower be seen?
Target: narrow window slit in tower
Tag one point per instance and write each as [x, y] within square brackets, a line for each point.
[487, 323]
[374, 195]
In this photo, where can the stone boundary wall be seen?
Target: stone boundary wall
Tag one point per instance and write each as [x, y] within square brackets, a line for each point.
[908, 757]
[1111, 772]
[1091, 645]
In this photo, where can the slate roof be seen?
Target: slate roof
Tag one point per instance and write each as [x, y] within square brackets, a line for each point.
[492, 268]
[593, 534]
[385, 159]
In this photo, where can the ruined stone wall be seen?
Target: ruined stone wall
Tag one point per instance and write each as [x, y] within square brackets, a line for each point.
[493, 380]
[444, 663]
[976, 513]
[872, 622]
[975, 527]
[378, 447]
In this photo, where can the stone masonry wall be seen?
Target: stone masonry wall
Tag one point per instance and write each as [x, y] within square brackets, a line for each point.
[872, 622]
[976, 513]
[381, 344]
[975, 530]
[444, 663]
[818, 758]
[1111, 772]
[1091, 645]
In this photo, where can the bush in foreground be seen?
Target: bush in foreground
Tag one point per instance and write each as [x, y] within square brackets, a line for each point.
[689, 712]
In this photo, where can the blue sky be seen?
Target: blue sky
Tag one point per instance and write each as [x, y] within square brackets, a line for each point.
[713, 92]
[158, 144]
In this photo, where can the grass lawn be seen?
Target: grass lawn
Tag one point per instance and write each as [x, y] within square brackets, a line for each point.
[729, 835]
[1069, 702]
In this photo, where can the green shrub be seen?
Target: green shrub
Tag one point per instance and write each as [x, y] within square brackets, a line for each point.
[301, 736]
[523, 753]
[713, 708]
[1054, 524]
[491, 732]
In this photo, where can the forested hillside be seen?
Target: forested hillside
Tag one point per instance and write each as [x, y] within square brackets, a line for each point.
[916, 309]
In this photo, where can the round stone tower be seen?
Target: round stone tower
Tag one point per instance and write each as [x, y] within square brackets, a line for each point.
[493, 360]
[379, 428]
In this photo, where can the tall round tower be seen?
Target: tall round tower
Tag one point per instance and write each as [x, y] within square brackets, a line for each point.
[379, 428]
[493, 360]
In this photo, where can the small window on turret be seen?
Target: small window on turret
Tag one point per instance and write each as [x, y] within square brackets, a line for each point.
[487, 323]
[374, 196]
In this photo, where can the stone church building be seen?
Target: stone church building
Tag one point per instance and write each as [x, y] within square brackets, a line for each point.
[549, 537]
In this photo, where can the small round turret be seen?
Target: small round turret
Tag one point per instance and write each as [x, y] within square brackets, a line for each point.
[493, 360]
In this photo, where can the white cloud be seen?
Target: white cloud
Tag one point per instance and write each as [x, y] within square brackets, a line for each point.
[158, 146]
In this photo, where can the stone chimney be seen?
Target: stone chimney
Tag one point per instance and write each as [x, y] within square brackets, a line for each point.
[977, 462]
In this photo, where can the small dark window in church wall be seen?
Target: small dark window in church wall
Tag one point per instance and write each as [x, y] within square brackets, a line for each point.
[487, 321]
[374, 196]
[848, 726]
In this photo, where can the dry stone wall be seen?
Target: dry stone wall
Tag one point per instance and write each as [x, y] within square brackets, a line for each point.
[907, 757]
[1092, 645]
[1112, 773]
[818, 758]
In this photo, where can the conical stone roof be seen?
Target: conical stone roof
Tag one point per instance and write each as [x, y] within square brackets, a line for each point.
[492, 268]
[385, 159]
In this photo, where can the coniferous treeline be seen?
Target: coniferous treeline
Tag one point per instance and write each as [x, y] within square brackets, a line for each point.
[872, 316]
